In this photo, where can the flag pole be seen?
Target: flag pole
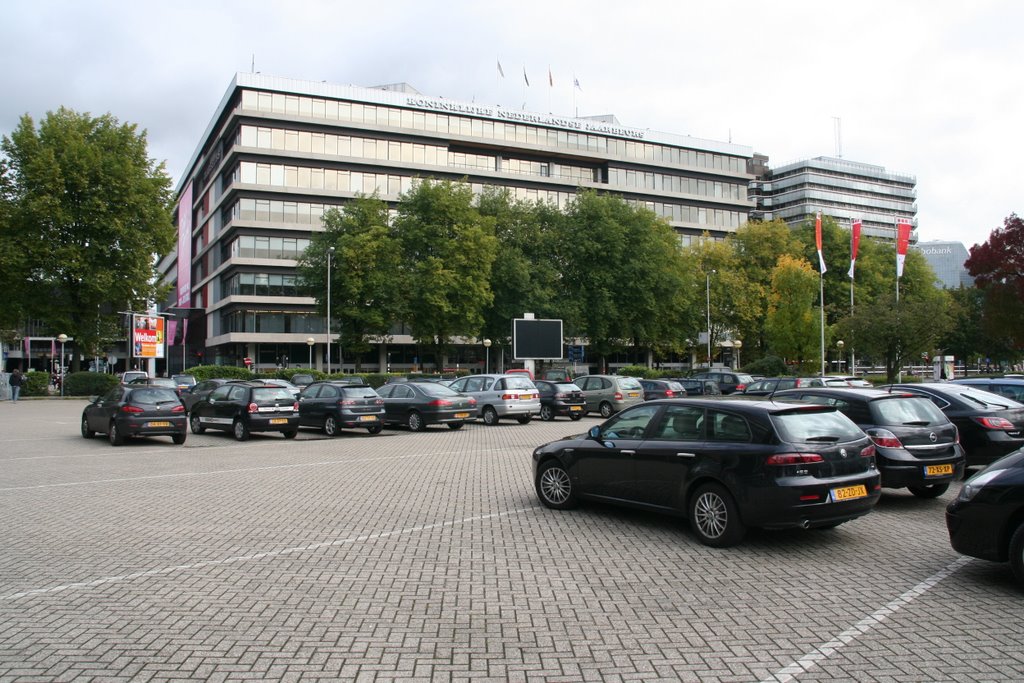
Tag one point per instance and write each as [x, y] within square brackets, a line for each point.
[821, 284]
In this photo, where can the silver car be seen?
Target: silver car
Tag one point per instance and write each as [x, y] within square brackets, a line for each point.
[608, 394]
[499, 396]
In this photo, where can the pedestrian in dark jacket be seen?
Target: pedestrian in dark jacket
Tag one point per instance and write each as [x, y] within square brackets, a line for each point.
[17, 379]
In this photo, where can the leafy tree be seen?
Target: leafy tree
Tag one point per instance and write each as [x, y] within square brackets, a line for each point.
[85, 215]
[364, 269]
[719, 292]
[997, 266]
[524, 277]
[791, 327]
[447, 251]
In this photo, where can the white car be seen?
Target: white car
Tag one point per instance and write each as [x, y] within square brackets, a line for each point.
[847, 381]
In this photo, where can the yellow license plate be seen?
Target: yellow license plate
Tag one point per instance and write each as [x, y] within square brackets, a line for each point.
[938, 470]
[367, 418]
[159, 424]
[634, 394]
[574, 409]
[461, 416]
[279, 420]
[849, 493]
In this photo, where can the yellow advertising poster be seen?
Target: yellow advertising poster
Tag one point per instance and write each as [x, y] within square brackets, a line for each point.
[148, 336]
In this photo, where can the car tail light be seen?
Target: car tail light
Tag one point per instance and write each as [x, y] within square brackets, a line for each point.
[253, 408]
[509, 397]
[741, 387]
[994, 422]
[868, 452]
[440, 403]
[669, 393]
[132, 409]
[472, 401]
[793, 459]
[347, 402]
[618, 395]
[561, 396]
[884, 438]
[295, 407]
[178, 409]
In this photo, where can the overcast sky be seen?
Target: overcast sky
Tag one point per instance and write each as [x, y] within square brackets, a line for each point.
[931, 89]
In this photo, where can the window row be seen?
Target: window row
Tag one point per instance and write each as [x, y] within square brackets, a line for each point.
[257, 246]
[400, 152]
[261, 284]
[410, 119]
[664, 182]
[272, 321]
[276, 211]
[715, 219]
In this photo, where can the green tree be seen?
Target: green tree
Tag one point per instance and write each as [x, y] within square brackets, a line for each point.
[447, 250]
[365, 299]
[86, 215]
[997, 266]
[791, 326]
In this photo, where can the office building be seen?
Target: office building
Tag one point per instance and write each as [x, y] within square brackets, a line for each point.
[947, 260]
[839, 188]
[279, 152]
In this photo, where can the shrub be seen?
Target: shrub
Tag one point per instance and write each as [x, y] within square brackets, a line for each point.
[88, 383]
[36, 384]
[769, 366]
[205, 372]
[640, 371]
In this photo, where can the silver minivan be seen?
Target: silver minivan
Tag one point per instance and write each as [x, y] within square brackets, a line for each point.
[608, 394]
[499, 396]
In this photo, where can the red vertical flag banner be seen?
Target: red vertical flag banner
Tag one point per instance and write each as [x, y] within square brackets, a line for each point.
[902, 243]
[854, 245]
[817, 242]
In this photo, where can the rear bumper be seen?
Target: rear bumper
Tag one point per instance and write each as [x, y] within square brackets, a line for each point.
[136, 427]
[808, 503]
[268, 424]
[908, 471]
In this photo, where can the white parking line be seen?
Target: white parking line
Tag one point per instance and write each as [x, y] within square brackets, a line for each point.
[868, 623]
[254, 556]
[319, 463]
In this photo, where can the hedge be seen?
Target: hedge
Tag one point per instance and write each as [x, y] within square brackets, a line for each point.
[88, 383]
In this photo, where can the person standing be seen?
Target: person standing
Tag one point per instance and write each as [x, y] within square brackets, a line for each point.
[17, 379]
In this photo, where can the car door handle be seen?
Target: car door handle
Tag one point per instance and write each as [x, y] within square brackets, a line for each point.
[686, 455]
[628, 452]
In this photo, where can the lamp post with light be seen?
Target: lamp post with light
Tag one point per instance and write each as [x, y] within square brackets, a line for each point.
[839, 345]
[62, 338]
[707, 290]
[330, 253]
[487, 356]
[737, 345]
[310, 342]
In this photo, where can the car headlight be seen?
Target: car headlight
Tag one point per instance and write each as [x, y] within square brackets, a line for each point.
[975, 484]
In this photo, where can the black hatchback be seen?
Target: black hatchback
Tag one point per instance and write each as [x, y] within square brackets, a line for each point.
[916, 445]
[726, 465]
[245, 407]
[990, 425]
[560, 398]
[135, 410]
[332, 405]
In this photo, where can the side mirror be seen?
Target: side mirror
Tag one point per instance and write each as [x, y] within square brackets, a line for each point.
[595, 433]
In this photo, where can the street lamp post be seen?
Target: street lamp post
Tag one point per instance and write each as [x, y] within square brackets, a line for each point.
[839, 345]
[330, 253]
[487, 356]
[708, 293]
[62, 338]
[737, 344]
[310, 342]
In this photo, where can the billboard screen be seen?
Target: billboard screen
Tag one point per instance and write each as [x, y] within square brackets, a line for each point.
[148, 338]
[536, 339]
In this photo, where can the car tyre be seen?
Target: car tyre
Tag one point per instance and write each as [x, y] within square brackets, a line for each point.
[416, 422]
[524, 419]
[546, 413]
[455, 425]
[490, 416]
[714, 517]
[1017, 553]
[195, 424]
[291, 433]
[575, 416]
[606, 409]
[375, 429]
[179, 438]
[554, 486]
[115, 435]
[240, 430]
[330, 426]
[86, 432]
[928, 490]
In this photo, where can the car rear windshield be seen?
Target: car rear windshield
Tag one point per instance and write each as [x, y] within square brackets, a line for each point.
[154, 395]
[359, 392]
[519, 383]
[271, 394]
[434, 389]
[630, 383]
[906, 411]
[815, 426]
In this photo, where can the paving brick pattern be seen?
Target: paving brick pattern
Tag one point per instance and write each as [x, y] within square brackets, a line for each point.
[424, 557]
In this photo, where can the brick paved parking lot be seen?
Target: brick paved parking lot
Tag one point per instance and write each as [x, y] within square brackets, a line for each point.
[426, 556]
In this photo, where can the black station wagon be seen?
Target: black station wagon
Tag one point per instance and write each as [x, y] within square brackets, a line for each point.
[726, 465]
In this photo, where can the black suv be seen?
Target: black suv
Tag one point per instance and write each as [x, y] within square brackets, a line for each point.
[245, 407]
[332, 405]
